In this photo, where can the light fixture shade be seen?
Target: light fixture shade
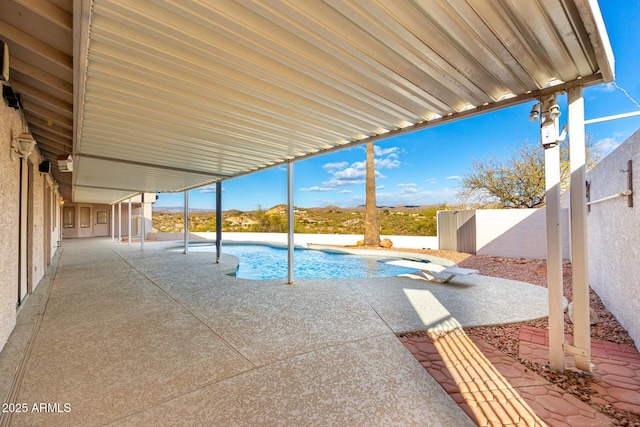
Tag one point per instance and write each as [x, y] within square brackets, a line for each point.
[23, 144]
[554, 112]
[534, 115]
[65, 163]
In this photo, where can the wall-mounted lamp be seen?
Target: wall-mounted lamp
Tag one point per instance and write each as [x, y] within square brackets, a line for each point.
[534, 115]
[65, 163]
[23, 145]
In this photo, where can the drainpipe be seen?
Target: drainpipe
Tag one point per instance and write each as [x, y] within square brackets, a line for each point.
[218, 220]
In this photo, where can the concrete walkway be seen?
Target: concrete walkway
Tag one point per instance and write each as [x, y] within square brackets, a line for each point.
[114, 335]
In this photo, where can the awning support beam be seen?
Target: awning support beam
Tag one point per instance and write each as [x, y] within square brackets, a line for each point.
[579, 255]
[290, 222]
[549, 139]
[186, 222]
[218, 221]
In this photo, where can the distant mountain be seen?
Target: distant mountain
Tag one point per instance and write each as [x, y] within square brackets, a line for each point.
[173, 209]
[283, 207]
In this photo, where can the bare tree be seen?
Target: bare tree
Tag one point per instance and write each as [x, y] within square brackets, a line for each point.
[518, 182]
[371, 228]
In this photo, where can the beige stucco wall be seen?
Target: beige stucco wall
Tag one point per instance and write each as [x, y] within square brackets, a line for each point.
[37, 205]
[614, 235]
[37, 266]
[517, 233]
[9, 187]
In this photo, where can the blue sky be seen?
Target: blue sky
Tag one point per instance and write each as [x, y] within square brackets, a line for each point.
[425, 167]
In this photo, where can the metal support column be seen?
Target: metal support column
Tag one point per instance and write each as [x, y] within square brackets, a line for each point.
[218, 220]
[142, 221]
[579, 257]
[129, 221]
[186, 222]
[290, 219]
[549, 138]
[119, 221]
[113, 222]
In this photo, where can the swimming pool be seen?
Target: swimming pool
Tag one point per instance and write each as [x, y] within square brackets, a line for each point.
[260, 262]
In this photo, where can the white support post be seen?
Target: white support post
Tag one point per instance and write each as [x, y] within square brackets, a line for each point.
[142, 221]
[129, 222]
[579, 255]
[119, 221]
[549, 137]
[186, 222]
[218, 221]
[113, 222]
[290, 218]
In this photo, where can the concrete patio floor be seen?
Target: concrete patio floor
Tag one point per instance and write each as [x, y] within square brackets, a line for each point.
[115, 335]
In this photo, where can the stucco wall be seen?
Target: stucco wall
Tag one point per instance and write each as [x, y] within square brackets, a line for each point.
[36, 245]
[9, 187]
[418, 242]
[517, 233]
[614, 235]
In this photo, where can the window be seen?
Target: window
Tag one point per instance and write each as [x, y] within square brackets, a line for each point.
[85, 217]
[69, 217]
[102, 217]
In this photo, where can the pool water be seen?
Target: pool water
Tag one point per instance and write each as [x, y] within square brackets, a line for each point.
[260, 262]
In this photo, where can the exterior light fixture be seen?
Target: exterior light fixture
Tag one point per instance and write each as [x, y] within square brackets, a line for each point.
[534, 115]
[65, 163]
[554, 112]
[23, 145]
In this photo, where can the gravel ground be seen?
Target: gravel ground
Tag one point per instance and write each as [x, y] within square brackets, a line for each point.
[506, 337]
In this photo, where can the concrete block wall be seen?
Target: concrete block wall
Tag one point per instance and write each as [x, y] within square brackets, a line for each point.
[517, 233]
[614, 236]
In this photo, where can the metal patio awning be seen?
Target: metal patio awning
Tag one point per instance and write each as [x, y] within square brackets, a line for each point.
[171, 95]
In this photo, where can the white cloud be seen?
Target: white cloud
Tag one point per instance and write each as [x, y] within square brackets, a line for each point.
[317, 189]
[390, 162]
[432, 181]
[211, 188]
[377, 151]
[356, 171]
[607, 145]
[454, 178]
[336, 165]
[607, 87]
[409, 188]
[345, 191]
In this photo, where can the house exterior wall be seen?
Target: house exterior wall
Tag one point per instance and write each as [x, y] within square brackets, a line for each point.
[614, 233]
[40, 237]
[87, 229]
[36, 265]
[10, 123]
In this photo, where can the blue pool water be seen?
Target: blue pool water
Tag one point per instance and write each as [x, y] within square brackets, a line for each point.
[259, 262]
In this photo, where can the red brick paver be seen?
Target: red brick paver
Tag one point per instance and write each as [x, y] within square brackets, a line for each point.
[493, 388]
[616, 368]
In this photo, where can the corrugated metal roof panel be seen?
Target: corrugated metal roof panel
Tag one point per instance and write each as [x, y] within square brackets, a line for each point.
[180, 93]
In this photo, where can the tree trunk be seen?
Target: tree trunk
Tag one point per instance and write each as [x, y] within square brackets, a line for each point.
[371, 229]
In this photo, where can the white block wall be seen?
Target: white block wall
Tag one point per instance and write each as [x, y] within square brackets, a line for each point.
[614, 236]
